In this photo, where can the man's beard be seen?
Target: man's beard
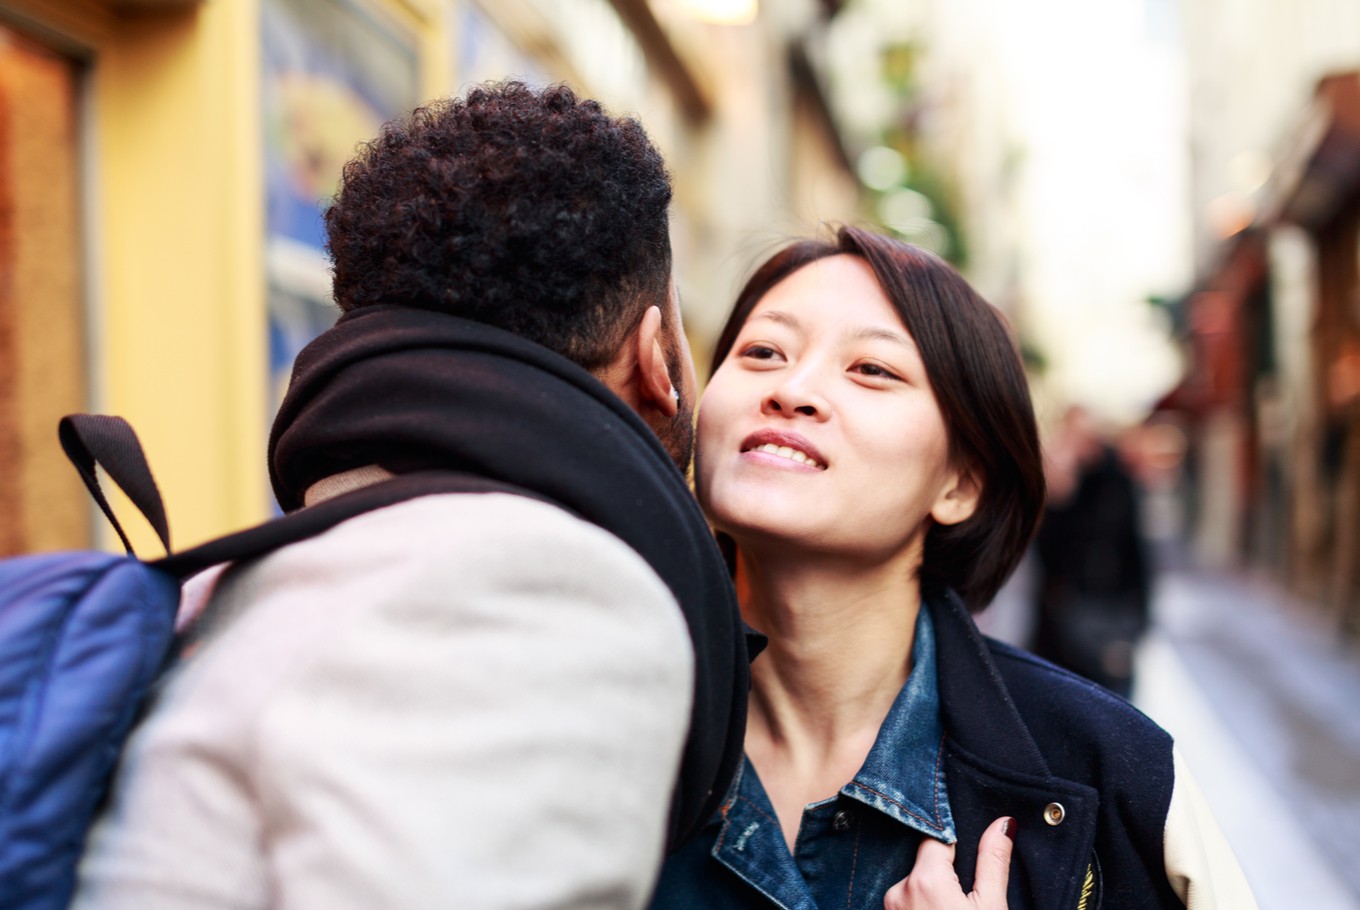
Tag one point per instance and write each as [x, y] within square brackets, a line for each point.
[677, 434]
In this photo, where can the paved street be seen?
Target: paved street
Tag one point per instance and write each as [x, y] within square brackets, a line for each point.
[1266, 708]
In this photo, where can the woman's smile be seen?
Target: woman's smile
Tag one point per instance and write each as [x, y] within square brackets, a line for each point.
[779, 448]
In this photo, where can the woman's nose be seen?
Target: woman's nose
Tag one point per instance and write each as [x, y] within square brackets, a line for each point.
[794, 395]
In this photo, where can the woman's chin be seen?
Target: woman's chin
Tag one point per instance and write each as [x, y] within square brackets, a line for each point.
[758, 532]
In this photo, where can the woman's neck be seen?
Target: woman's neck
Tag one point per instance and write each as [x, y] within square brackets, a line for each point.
[839, 652]
[840, 643]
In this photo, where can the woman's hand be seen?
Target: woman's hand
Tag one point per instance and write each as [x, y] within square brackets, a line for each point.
[933, 884]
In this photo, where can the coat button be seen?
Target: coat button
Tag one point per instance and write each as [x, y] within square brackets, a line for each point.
[841, 822]
[1054, 813]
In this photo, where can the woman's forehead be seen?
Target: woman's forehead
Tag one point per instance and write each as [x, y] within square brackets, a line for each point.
[839, 294]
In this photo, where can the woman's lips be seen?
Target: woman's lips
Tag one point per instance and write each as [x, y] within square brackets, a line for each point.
[790, 446]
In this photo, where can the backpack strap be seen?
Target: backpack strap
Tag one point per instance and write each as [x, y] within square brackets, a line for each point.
[99, 440]
[91, 440]
[316, 519]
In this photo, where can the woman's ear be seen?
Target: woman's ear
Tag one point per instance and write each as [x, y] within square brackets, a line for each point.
[959, 498]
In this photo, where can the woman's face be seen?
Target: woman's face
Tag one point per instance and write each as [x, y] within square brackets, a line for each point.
[820, 430]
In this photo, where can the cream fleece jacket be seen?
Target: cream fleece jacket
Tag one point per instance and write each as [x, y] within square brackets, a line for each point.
[469, 701]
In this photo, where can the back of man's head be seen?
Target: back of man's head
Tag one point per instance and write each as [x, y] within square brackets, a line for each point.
[529, 210]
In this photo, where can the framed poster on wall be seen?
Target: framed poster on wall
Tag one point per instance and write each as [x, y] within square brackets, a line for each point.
[485, 52]
[334, 72]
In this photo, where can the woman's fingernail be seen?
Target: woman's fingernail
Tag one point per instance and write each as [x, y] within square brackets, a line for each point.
[1008, 829]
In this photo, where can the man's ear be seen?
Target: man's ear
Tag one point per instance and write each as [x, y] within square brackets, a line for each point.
[653, 378]
[960, 497]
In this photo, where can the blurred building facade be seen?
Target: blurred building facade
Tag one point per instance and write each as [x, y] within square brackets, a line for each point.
[1272, 322]
[163, 164]
[1052, 137]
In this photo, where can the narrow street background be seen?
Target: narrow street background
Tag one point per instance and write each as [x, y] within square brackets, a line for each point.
[1265, 705]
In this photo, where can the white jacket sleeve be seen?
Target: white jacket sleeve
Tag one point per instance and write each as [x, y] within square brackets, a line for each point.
[1199, 863]
[471, 701]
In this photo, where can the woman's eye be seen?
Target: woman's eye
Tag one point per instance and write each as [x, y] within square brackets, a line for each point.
[759, 352]
[873, 369]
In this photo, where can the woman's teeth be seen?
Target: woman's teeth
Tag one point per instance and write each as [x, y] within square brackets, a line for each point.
[787, 452]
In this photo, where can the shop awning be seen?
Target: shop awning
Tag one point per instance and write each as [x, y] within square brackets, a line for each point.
[1320, 169]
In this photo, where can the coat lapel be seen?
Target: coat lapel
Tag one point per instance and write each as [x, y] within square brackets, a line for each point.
[994, 767]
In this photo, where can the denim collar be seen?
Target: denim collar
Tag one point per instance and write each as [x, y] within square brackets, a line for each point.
[902, 777]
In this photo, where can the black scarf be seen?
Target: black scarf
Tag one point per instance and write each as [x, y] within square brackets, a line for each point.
[415, 390]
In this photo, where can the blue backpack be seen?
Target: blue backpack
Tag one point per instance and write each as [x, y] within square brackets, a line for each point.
[83, 638]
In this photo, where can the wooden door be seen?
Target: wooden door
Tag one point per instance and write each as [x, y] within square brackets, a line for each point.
[43, 370]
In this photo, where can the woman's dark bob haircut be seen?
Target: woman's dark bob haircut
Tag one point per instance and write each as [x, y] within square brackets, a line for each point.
[974, 368]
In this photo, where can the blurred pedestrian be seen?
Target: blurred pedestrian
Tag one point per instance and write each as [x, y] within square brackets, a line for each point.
[1093, 577]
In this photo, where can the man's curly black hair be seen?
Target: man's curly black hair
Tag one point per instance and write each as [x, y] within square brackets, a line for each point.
[533, 211]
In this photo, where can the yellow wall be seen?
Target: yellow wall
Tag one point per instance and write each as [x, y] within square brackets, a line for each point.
[177, 244]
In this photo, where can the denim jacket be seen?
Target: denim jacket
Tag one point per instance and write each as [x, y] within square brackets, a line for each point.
[1088, 778]
[852, 846]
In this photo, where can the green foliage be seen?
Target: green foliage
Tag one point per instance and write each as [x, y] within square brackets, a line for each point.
[899, 68]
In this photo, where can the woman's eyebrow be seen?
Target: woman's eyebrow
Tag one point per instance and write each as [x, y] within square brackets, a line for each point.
[778, 316]
[873, 333]
[863, 333]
